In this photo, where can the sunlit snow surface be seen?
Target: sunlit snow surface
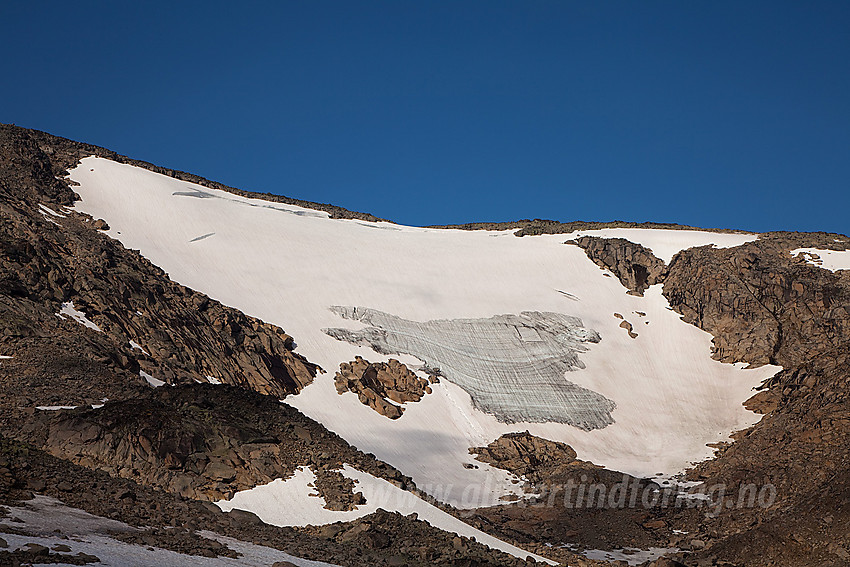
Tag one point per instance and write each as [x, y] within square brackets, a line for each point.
[289, 266]
[665, 243]
[154, 382]
[831, 260]
[48, 522]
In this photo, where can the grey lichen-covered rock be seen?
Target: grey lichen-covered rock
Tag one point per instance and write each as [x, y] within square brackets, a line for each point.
[513, 366]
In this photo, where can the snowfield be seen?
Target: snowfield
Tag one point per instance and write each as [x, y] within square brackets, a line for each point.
[288, 266]
[293, 502]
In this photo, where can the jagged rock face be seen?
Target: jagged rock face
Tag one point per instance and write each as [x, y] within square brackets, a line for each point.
[762, 305]
[635, 266]
[48, 259]
[383, 386]
[202, 441]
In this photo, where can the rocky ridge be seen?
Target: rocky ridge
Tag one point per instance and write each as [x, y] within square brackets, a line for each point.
[534, 227]
[65, 153]
[54, 257]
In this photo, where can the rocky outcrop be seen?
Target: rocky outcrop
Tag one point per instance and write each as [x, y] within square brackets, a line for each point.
[524, 454]
[764, 306]
[624, 324]
[544, 463]
[556, 512]
[761, 304]
[383, 386]
[337, 490]
[635, 266]
[204, 442]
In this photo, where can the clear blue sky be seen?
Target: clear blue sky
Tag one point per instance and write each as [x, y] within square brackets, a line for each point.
[731, 114]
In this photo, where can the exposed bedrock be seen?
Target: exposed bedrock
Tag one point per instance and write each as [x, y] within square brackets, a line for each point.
[764, 306]
[203, 441]
[512, 366]
[761, 304]
[532, 227]
[555, 513]
[383, 386]
[635, 266]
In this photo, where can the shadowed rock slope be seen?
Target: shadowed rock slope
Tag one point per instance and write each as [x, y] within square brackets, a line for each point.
[169, 521]
[200, 441]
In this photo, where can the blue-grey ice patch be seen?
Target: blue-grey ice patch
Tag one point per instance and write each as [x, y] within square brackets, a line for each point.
[513, 366]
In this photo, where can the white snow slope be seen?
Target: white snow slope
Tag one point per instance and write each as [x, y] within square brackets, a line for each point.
[294, 502]
[288, 266]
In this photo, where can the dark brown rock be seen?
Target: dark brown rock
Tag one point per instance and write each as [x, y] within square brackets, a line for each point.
[636, 266]
[523, 453]
[244, 518]
[383, 386]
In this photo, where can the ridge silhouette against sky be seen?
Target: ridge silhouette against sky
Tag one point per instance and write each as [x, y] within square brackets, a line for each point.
[717, 114]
